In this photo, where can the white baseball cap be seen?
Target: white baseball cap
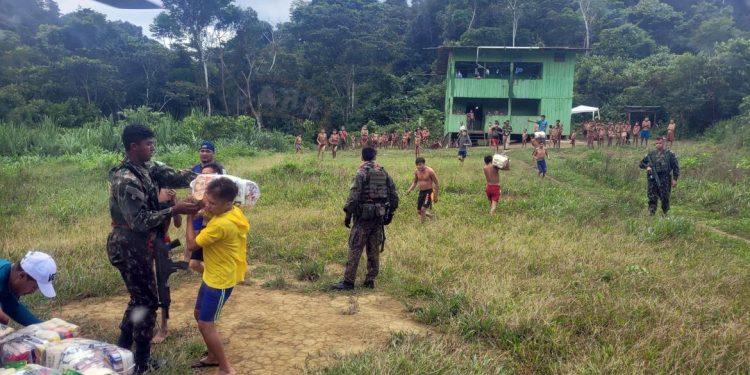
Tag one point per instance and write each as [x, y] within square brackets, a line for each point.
[42, 268]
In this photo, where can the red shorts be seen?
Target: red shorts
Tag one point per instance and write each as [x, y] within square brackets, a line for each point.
[494, 141]
[670, 136]
[493, 192]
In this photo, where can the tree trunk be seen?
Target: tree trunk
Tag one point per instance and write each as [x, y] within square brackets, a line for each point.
[223, 83]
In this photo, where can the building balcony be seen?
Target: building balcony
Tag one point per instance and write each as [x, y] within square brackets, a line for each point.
[497, 88]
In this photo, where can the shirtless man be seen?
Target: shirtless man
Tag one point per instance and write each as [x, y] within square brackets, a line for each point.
[298, 144]
[670, 132]
[539, 156]
[344, 138]
[524, 137]
[425, 135]
[558, 134]
[645, 130]
[623, 134]
[610, 134]
[602, 135]
[590, 135]
[636, 133]
[493, 190]
[334, 141]
[427, 180]
[322, 141]
[364, 136]
[405, 140]
[417, 142]
[572, 137]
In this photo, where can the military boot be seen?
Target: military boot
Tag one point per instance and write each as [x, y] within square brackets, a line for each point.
[143, 361]
[370, 284]
[344, 285]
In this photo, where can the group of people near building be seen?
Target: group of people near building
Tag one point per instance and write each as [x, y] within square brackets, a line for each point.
[623, 133]
[418, 139]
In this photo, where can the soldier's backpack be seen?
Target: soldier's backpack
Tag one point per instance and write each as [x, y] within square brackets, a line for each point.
[374, 198]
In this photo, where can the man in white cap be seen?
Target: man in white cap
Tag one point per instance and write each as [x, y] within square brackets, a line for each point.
[36, 271]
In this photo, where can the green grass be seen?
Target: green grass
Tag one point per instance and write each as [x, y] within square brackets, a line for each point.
[571, 276]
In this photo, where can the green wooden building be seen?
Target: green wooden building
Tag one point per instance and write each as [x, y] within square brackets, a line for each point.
[507, 83]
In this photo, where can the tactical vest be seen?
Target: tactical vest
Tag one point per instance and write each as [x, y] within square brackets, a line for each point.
[374, 198]
[375, 189]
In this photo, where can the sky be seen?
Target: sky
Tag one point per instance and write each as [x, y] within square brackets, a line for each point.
[272, 11]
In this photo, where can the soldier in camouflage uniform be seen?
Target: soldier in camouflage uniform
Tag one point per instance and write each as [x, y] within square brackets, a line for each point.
[134, 207]
[663, 172]
[372, 202]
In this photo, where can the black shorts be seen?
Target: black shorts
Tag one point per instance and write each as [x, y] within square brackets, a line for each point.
[197, 255]
[425, 199]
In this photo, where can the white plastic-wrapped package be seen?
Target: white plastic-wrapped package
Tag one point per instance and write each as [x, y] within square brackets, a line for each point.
[20, 346]
[5, 330]
[501, 162]
[98, 371]
[30, 369]
[247, 194]
[52, 330]
[84, 354]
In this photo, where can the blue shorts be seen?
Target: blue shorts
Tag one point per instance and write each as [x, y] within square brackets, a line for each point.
[462, 154]
[541, 165]
[645, 134]
[210, 301]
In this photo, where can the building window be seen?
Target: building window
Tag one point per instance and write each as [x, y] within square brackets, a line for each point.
[527, 70]
[525, 107]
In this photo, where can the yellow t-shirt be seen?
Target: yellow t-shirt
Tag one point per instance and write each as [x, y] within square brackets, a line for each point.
[224, 243]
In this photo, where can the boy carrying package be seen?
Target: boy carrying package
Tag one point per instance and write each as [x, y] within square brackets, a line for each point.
[224, 244]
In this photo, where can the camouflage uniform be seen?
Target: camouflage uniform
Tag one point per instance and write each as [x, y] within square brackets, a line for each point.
[664, 169]
[369, 216]
[134, 208]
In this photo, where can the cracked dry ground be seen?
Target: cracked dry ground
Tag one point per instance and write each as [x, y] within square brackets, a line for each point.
[272, 331]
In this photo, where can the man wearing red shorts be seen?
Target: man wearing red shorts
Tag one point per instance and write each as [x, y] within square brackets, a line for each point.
[492, 175]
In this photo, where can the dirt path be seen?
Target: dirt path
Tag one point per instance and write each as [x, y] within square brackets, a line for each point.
[277, 332]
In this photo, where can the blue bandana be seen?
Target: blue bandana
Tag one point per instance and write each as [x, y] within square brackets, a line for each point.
[208, 145]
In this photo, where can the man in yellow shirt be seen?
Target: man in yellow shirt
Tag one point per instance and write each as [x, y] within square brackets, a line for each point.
[224, 244]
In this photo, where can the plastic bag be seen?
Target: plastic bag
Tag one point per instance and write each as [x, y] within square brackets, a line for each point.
[29, 369]
[248, 192]
[501, 162]
[20, 346]
[52, 330]
[84, 354]
[5, 330]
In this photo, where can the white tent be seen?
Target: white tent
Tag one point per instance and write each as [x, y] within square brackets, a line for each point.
[586, 109]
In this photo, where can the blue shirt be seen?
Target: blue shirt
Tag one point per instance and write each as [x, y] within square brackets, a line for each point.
[542, 125]
[9, 301]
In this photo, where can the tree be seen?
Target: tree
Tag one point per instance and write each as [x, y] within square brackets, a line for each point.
[628, 41]
[515, 9]
[202, 23]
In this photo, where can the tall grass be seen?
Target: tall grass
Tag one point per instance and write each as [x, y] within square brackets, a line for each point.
[571, 276]
[50, 139]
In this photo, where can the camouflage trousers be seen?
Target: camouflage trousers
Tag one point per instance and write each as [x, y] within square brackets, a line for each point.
[369, 236]
[660, 192]
[128, 251]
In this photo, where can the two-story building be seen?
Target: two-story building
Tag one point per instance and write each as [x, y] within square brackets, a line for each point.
[517, 84]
